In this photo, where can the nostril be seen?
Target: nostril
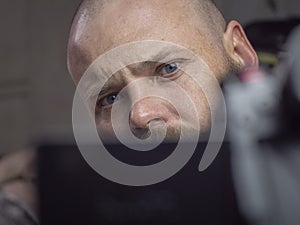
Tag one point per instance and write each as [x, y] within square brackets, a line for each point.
[141, 133]
[145, 132]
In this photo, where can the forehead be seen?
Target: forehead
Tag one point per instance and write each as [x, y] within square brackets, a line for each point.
[132, 20]
[125, 21]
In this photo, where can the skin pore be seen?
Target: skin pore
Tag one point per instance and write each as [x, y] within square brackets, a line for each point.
[197, 25]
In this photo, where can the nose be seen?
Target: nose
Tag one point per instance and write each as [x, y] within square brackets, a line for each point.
[149, 110]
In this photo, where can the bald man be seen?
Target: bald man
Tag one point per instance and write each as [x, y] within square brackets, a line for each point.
[197, 25]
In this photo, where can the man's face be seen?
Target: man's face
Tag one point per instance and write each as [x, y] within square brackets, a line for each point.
[122, 22]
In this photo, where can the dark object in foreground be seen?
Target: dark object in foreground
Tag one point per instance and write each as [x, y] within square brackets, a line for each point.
[72, 193]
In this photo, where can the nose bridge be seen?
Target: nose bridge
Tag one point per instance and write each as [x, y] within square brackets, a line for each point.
[141, 90]
[136, 88]
[137, 83]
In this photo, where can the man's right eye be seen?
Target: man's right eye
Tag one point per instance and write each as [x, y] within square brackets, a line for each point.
[108, 100]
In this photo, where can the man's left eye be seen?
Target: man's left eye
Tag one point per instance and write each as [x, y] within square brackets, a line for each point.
[170, 68]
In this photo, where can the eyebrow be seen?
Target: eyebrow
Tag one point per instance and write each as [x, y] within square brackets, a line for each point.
[161, 56]
[104, 89]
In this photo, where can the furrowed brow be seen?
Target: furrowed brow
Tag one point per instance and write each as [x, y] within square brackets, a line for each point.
[161, 57]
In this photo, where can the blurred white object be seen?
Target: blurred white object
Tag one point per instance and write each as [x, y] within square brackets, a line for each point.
[263, 130]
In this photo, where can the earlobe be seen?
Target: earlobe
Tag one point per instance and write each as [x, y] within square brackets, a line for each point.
[238, 45]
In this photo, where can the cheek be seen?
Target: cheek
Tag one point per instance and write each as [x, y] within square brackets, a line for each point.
[200, 100]
[103, 124]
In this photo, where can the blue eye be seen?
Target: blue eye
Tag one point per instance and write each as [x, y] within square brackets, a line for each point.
[170, 68]
[109, 99]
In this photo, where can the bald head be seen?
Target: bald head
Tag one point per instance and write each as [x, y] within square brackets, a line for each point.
[204, 8]
[196, 25]
[101, 24]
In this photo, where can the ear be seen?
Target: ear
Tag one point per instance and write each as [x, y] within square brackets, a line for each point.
[238, 46]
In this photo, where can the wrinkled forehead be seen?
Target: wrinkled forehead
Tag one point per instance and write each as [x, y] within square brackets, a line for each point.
[121, 22]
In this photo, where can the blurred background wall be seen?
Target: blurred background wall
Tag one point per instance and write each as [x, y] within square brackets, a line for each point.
[247, 11]
[35, 89]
